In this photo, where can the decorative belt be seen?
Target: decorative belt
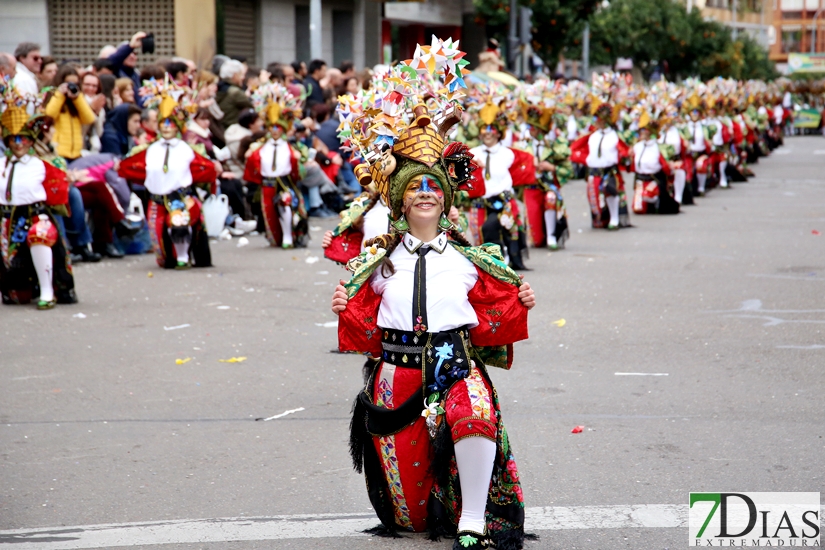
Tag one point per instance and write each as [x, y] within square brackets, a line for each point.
[33, 208]
[645, 177]
[602, 171]
[496, 202]
[176, 194]
[405, 348]
[278, 181]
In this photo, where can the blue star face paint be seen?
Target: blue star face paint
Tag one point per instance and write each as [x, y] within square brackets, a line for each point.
[421, 185]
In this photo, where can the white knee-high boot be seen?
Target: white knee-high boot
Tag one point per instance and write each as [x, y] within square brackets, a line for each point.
[180, 242]
[43, 266]
[613, 208]
[550, 223]
[285, 218]
[474, 457]
[723, 178]
[679, 178]
[702, 179]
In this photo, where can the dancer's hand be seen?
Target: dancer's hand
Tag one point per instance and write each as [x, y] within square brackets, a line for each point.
[339, 299]
[526, 295]
[327, 240]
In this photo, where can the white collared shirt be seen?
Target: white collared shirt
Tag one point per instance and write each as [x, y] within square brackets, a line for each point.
[609, 140]
[376, 221]
[25, 81]
[673, 138]
[450, 277]
[283, 165]
[717, 136]
[27, 184]
[646, 157]
[501, 159]
[179, 173]
[697, 139]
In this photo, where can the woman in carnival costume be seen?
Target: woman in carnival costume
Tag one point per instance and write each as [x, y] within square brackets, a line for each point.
[171, 169]
[427, 428]
[277, 167]
[35, 261]
[605, 154]
[653, 192]
[497, 217]
[546, 215]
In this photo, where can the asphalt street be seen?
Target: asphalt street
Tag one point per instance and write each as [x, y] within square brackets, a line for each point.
[123, 408]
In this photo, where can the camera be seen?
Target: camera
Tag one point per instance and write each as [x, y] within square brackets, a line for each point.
[73, 88]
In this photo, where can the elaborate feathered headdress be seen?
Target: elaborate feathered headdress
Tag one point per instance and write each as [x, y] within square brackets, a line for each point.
[14, 106]
[172, 101]
[277, 105]
[400, 127]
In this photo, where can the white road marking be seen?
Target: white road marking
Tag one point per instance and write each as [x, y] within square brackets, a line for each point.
[641, 374]
[812, 346]
[549, 518]
[283, 414]
[177, 327]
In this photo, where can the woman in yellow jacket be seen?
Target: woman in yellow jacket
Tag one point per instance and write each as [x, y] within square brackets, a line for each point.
[70, 112]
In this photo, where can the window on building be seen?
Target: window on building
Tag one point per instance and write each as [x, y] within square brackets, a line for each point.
[791, 40]
[302, 48]
[342, 28]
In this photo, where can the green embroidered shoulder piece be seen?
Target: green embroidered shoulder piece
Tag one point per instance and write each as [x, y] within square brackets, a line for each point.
[362, 267]
[200, 149]
[667, 151]
[137, 149]
[488, 257]
[352, 215]
[560, 158]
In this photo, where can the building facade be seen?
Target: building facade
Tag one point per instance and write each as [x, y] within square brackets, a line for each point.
[754, 17]
[799, 29]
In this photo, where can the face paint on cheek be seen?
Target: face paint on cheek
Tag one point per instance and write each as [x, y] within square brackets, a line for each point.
[429, 186]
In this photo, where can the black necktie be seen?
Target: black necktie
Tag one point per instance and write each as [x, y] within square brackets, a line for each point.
[487, 166]
[166, 158]
[419, 310]
[599, 150]
[8, 181]
[274, 157]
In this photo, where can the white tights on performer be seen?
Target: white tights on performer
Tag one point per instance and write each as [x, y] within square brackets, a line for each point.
[613, 207]
[679, 178]
[723, 178]
[181, 246]
[702, 179]
[474, 457]
[285, 219]
[43, 266]
[550, 222]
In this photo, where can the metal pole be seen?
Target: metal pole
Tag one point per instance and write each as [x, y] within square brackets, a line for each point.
[315, 29]
[689, 6]
[586, 52]
[512, 39]
[733, 19]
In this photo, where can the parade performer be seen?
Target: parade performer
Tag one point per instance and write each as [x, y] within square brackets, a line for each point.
[680, 161]
[547, 219]
[720, 139]
[35, 262]
[170, 169]
[603, 152]
[497, 217]
[277, 167]
[699, 144]
[437, 312]
[652, 194]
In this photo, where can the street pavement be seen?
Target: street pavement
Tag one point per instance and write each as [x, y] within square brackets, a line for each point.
[119, 410]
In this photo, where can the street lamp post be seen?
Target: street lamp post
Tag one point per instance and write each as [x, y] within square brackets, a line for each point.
[315, 29]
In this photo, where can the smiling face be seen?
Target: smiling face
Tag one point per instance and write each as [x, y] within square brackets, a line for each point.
[19, 145]
[489, 136]
[423, 199]
[276, 132]
[168, 129]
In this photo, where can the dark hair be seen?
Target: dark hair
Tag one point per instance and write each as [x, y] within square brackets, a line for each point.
[315, 65]
[202, 113]
[296, 66]
[62, 72]
[144, 114]
[346, 66]
[103, 64]
[320, 112]
[252, 72]
[247, 142]
[342, 89]
[133, 110]
[277, 72]
[152, 71]
[107, 85]
[25, 48]
[247, 118]
[175, 68]
[47, 60]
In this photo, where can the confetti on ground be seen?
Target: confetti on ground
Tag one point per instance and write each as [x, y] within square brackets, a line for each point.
[233, 360]
[560, 323]
[815, 232]
[150, 274]
[182, 361]
[312, 260]
[577, 430]
[328, 324]
[224, 307]
[641, 374]
[283, 414]
[79, 315]
[243, 241]
[176, 327]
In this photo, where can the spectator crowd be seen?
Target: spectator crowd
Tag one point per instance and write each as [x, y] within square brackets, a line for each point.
[96, 115]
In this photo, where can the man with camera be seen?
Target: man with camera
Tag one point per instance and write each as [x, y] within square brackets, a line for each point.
[124, 60]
